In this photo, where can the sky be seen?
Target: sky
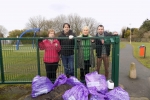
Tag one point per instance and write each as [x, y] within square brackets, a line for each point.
[113, 14]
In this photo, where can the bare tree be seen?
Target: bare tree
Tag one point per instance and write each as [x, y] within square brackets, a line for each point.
[75, 22]
[91, 23]
[48, 24]
[3, 31]
[36, 22]
[58, 22]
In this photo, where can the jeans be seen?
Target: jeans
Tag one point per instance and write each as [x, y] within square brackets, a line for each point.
[68, 63]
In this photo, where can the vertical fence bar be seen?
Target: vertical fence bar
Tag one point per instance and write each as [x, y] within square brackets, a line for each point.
[38, 57]
[117, 47]
[115, 61]
[75, 57]
[1, 64]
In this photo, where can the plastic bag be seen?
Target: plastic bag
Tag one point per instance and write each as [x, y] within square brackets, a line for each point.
[60, 80]
[41, 85]
[73, 81]
[94, 95]
[96, 81]
[78, 92]
[117, 94]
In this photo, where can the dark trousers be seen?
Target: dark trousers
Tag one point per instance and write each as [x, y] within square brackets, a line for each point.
[84, 71]
[51, 70]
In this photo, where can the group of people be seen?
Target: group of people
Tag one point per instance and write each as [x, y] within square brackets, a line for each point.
[64, 48]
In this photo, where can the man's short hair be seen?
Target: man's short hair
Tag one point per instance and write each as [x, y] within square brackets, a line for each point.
[100, 26]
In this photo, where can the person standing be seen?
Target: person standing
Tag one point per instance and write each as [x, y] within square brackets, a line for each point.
[85, 53]
[67, 51]
[102, 50]
[51, 54]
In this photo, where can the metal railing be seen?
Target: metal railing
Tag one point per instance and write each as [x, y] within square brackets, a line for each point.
[22, 65]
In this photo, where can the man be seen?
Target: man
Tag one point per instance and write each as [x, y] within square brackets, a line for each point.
[102, 50]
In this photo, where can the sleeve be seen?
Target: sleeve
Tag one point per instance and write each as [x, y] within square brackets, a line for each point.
[58, 47]
[41, 45]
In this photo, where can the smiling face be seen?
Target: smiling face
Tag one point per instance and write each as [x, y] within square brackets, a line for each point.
[85, 31]
[66, 28]
[100, 29]
[51, 34]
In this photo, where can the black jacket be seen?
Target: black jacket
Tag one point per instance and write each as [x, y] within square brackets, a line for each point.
[99, 46]
[67, 45]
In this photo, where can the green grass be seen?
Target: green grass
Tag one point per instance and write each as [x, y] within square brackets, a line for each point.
[145, 61]
[122, 45]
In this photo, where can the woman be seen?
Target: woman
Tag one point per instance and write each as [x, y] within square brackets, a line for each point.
[51, 55]
[67, 51]
[85, 52]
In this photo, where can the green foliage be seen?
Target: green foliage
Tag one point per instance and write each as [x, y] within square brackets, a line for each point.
[146, 25]
[135, 31]
[127, 33]
[123, 32]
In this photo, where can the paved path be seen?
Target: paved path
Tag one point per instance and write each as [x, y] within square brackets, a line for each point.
[139, 87]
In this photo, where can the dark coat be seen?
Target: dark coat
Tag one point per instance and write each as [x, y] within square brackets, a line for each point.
[99, 45]
[80, 56]
[67, 45]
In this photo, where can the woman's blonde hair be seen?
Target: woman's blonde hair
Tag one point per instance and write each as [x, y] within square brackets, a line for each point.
[86, 27]
[51, 30]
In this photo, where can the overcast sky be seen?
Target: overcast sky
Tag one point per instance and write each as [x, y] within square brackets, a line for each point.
[113, 14]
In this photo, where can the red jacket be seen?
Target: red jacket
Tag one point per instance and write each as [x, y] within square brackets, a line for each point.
[51, 50]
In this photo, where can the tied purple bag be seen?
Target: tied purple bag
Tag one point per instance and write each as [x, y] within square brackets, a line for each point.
[94, 95]
[41, 85]
[60, 80]
[96, 81]
[78, 92]
[73, 81]
[117, 94]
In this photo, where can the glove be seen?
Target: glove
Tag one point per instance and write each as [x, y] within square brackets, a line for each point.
[71, 36]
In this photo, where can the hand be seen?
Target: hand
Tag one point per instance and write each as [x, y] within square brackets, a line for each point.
[56, 44]
[102, 41]
[71, 36]
[92, 41]
[115, 33]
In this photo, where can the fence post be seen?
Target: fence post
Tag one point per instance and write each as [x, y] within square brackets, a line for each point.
[115, 61]
[75, 40]
[1, 64]
[38, 57]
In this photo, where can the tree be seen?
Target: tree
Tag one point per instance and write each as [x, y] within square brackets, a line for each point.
[135, 31]
[127, 33]
[91, 23]
[123, 32]
[58, 22]
[3, 31]
[145, 26]
[36, 22]
[75, 22]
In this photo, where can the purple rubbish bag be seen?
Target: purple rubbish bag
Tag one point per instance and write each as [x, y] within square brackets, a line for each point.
[41, 85]
[60, 80]
[78, 92]
[96, 81]
[73, 81]
[117, 94]
[94, 95]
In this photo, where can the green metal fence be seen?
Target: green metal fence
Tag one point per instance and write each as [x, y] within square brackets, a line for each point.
[21, 66]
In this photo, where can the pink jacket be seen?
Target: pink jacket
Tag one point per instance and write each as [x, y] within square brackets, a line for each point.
[51, 50]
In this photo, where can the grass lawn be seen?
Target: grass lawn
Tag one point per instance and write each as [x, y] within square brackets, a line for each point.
[145, 61]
